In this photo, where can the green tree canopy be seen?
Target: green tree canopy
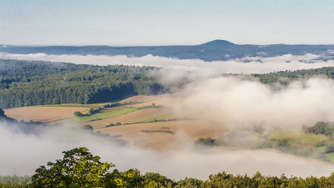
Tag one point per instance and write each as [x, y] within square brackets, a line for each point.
[78, 168]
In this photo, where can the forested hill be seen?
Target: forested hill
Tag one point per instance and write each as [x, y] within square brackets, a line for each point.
[210, 51]
[25, 83]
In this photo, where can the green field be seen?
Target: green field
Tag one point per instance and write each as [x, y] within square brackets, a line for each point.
[107, 114]
[329, 157]
[159, 118]
[74, 105]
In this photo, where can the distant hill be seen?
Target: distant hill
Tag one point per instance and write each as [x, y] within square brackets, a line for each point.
[210, 51]
[26, 83]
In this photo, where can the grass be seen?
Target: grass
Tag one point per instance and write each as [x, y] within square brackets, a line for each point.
[151, 106]
[95, 105]
[160, 118]
[73, 105]
[158, 131]
[297, 143]
[107, 114]
[298, 138]
[329, 157]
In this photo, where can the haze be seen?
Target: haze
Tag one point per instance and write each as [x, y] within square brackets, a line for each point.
[148, 22]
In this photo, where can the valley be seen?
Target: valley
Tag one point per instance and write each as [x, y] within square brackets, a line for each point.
[146, 121]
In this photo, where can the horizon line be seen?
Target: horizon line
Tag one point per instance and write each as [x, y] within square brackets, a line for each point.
[157, 44]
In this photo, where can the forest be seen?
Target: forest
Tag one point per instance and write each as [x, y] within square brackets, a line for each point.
[80, 168]
[27, 83]
[284, 77]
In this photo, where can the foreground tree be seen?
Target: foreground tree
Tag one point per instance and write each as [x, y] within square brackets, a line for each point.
[78, 168]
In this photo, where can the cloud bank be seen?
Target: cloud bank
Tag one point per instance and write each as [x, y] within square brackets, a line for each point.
[234, 102]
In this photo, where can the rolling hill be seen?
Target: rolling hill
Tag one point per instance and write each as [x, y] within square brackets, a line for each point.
[211, 51]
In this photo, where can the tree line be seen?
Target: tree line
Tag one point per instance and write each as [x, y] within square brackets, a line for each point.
[284, 77]
[26, 83]
[79, 168]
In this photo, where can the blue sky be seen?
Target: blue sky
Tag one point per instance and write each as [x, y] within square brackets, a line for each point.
[151, 22]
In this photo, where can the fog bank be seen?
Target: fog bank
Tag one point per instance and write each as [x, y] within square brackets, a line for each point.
[22, 153]
[234, 102]
[244, 65]
[227, 101]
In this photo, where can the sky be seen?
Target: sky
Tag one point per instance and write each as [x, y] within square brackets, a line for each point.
[165, 22]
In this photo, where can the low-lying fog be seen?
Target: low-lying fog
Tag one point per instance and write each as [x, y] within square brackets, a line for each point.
[22, 153]
[235, 102]
[253, 65]
[231, 102]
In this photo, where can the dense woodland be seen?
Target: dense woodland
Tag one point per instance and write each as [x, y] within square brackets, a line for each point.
[80, 168]
[26, 83]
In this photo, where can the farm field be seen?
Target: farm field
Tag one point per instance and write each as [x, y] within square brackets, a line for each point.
[146, 121]
[162, 135]
[153, 122]
[45, 114]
